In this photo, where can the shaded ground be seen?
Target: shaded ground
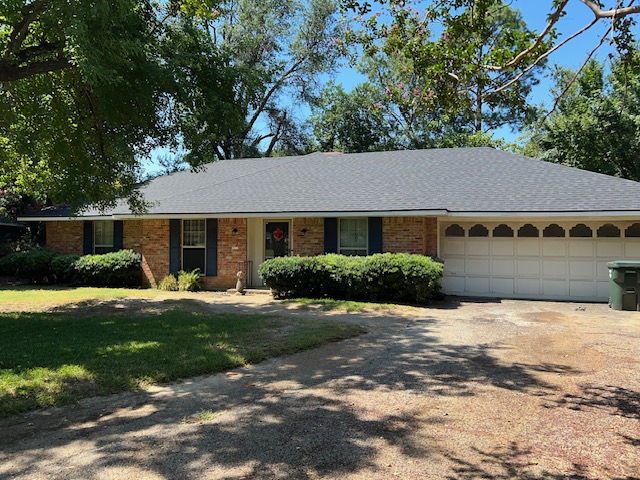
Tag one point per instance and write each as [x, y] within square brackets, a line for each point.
[492, 390]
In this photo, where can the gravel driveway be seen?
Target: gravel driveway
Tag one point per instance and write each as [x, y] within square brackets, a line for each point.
[472, 389]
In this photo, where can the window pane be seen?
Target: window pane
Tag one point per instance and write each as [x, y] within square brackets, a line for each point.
[478, 230]
[454, 230]
[353, 233]
[102, 236]
[194, 233]
[528, 230]
[193, 258]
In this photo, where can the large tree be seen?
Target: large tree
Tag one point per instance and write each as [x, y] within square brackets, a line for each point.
[413, 101]
[449, 43]
[596, 123]
[89, 89]
[291, 43]
[81, 92]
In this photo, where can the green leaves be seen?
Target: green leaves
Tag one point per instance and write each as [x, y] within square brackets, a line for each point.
[595, 126]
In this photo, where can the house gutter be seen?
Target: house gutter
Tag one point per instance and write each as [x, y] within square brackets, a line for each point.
[612, 214]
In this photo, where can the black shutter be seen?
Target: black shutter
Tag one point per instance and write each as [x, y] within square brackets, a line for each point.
[87, 241]
[330, 235]
[118, 237]
[174, 246]
[212, 247]
[375, 235]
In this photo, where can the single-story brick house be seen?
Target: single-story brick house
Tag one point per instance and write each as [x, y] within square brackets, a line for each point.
[504, 225]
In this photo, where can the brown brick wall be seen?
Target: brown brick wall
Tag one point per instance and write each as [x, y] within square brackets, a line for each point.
[65, 237]
[431, 236]
[410, 235]
[154, 241]
[312, 241]
[231, 250]
[150, 237]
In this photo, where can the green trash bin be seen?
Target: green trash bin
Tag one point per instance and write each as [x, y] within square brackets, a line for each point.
[624, 285]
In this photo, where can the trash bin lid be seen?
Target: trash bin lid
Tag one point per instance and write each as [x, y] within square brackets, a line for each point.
[624, 264]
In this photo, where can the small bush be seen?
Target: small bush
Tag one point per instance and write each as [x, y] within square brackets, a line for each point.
[189, 281]
[115, 269]
[63, 268]
[398, 277]
[168, 283]
[33, 265]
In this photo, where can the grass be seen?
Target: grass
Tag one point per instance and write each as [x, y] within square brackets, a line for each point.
[37, 298]
[347, 305]
[55, 357]
[203, 416]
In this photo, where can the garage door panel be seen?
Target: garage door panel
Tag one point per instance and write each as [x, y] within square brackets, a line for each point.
[581, 248]
[528, 247]
[452, 283]
[504, 286]
[578, 288]
[528, 286]
[579, 268]
[454, 265]
[612, 249]
[502, 267]
[528, 267]
[554, 288]
[477, 246]
[554, 248]
[453, 246]
[502, 247]
[554, 267]
[478, 284]
[477, 265]
[632, 249]
[602, 271]
[602, 289]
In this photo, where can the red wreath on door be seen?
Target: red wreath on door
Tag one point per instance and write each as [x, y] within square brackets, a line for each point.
[278, 234]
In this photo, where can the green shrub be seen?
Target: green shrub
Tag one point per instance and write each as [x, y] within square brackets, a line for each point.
[189, 281]
[115, 269]
[398, 277]
[168, 283]
[63, 268]
[33, 265]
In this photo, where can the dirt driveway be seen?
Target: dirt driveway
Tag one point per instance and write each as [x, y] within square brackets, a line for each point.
[511, 389]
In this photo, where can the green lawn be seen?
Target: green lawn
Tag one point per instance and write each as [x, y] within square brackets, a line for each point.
[54, 357]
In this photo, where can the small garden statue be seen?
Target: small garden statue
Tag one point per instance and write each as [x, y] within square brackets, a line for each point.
[240, 283]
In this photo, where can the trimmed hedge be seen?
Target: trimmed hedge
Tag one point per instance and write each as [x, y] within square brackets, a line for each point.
[398, 277]
[123, 268]
[115, 269]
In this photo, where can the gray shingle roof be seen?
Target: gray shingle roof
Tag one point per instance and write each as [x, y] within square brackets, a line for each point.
[470, 180]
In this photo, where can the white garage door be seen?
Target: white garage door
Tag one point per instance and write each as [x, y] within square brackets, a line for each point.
[535, 260]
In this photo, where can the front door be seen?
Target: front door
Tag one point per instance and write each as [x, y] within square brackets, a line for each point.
[276, 240]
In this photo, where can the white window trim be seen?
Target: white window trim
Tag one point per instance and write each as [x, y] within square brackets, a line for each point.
[96, 245]
[366, 232]
[203, 273]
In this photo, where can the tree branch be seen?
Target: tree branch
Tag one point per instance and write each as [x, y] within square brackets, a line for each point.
[552, 21]
[21, 29]
[10, 73]
[540, 58]
[614, 12]
[575, 76]
[269, 93]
